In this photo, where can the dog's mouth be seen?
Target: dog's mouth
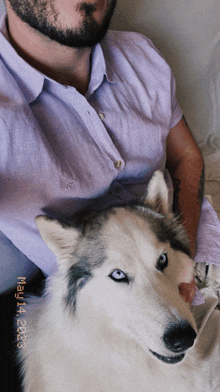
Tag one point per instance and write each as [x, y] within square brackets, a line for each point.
[170, 360]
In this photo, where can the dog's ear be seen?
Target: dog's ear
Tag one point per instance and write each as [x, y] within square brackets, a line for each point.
[156, 195]
[59, 238]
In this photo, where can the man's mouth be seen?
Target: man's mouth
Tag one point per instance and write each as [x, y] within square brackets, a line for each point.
[170, 360]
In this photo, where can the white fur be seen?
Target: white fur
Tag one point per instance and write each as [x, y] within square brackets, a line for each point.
[157, 191]
[104, 345]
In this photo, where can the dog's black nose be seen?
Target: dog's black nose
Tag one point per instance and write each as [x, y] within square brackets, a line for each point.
[179, 337]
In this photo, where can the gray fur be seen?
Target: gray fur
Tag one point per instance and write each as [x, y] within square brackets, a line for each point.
[167, 229]
[89, 253]
[91, 250]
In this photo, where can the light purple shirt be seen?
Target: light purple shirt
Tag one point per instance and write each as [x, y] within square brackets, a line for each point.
[60, 148]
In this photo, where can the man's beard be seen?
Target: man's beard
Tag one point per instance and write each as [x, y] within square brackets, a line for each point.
[35, 14]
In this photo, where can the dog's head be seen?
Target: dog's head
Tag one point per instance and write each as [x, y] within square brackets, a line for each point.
[121, 270]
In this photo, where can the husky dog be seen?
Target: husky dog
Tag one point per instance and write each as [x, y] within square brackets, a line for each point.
[112, 318]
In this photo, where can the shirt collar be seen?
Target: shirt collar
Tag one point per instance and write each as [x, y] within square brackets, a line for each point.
[111, 74]
[100, 69]
[31, 81]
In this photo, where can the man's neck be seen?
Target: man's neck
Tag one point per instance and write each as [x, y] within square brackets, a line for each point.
[68, 66]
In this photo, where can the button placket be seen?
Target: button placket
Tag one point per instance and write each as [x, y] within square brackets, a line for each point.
[100, 135]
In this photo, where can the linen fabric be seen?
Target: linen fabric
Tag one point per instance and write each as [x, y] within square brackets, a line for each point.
[59, 148]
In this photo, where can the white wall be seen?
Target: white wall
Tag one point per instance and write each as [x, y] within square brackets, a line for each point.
[2, 7]
[187, 32]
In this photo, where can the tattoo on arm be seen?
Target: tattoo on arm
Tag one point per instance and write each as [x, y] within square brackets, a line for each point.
[176, 188]
[201, 188]
[176, 185]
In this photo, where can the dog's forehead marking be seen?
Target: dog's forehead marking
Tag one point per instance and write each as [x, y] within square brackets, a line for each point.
[129, 240]
[168, 229]
[130, 225]
[124, 220]
[144, 227]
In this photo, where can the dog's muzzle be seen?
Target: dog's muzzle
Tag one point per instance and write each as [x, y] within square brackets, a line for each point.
[178, 338]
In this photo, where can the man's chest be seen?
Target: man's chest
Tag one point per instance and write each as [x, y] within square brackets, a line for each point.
[71, 144]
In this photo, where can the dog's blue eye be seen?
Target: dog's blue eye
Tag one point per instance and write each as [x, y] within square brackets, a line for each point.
[162, 262]
[119, 276]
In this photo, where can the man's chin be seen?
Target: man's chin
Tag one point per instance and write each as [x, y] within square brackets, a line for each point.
[93, 27]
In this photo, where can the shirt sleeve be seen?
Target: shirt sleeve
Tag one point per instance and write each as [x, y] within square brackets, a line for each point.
[176, 110]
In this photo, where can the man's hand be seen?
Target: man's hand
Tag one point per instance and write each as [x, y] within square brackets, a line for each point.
[186, 167]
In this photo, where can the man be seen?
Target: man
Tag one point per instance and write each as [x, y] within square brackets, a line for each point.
[81, 120]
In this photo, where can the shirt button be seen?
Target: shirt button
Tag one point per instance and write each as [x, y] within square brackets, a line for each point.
[101, 116]
[118, 164]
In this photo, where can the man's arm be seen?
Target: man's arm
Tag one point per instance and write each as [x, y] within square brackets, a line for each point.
[186, 167]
